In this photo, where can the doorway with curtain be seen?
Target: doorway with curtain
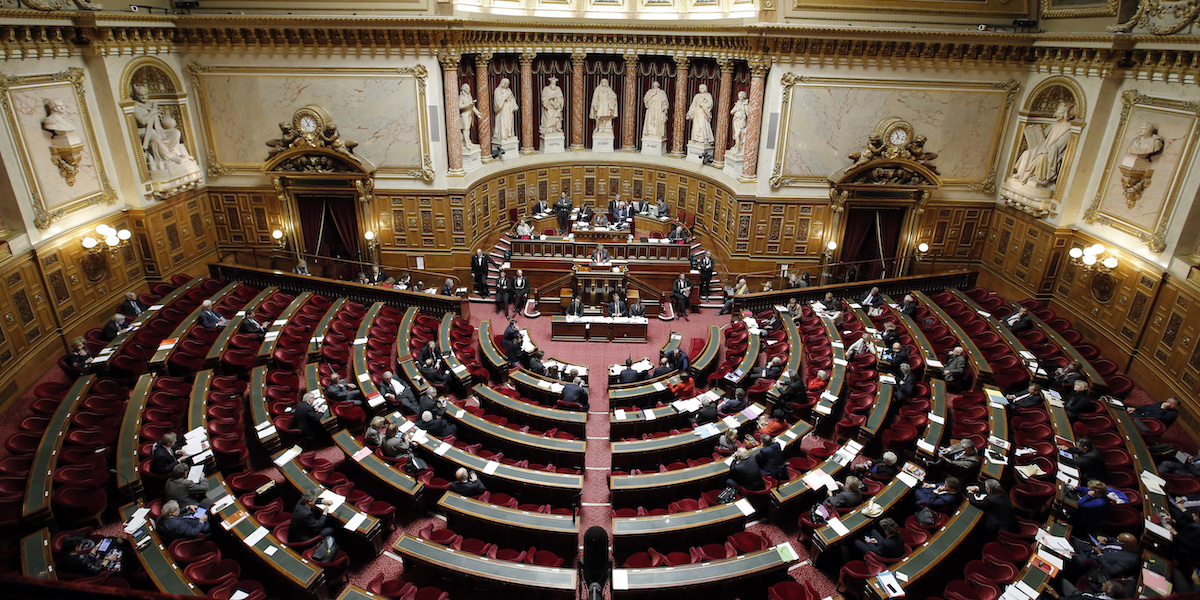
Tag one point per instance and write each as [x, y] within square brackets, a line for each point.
[869, 243]
[329, 228]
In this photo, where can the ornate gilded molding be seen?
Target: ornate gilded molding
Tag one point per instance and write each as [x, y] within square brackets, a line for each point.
[1155, 240]
[1100, 8]
[1153, 15]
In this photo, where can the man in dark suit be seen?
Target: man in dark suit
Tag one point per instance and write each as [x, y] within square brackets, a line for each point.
[1029, 398]
[955, 365]
[520, 291]
[503, 292]
[895, 356]
[563, 207]
[681, 295]
[1018, 321]
[114, 327]
[1110, 559]
[637, 309]
[431, 352]
[448, 288]
[132, 307]
[707, 413]
[467, 483]
[480, 263]
[511, 342]
[576, 393]
[209, 318]
[435, 406]
[770, 459]
[586, 214]
[629, 375]
[705, 265]
[617, 308]
[643, 207]
[436, 426]
[735, 404]
[872, 299]
[540, 207]
[165, 454]
[771, 370]
[304, 418]
[376, 276]
[679, 360]
[600, 255]
[745, 472]
[343, 391]
[535, 362]
[662, 211]
[308, 521]
[397, 393]
[679, 234]
[996, 507]
[1078, 401]
[251, 326]
[173, 524]
[434, 374]
[909, 306]
[664, 367]
[1165, 413]
[183, 490]
[906, 385]
[575, 308]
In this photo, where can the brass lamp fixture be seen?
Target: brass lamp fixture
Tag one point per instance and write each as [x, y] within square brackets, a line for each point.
[1094, 258]
[109, 240]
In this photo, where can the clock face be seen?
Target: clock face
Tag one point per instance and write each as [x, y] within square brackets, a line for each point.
[898, 137]
[308, 124]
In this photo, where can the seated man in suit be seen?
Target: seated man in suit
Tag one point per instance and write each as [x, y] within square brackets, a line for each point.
[629, 375]
[617, 308]
[1018, 321]
[251, 326]
[944, 498]
[955, 365]
[680, 360]
[1029, 398]
[184, 491]
[467, 483]
[436, 406]
[663, 368]
[209, 318]
[909, 306]
[540, 207]
[772, 322]
[1064, 377]
[906, 383]
[745, 473]
[707, 413]
[431, 351]
[771, 370]
[132, 307]
[175, 524]
[574, 308]
[735, 404]
[114, 327]
[1165, 412]
[679, 234]
[520, 291]
[447, 288]
[437, 376]
[576, 392]
[962, 455]
[308, 519]
[662, 211]
[585, 214]
[872, 301]
[376, 276]
[637, 309]
[601, 219]
[1078, 401]
[895, 356]
[397, 393]
[771, 460]
[600, 255]
[165, 454]
[343, 391]
[306, 419]
[436, 426]
[643, 206]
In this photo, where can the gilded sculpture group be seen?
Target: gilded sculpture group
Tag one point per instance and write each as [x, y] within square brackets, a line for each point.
[604, 109]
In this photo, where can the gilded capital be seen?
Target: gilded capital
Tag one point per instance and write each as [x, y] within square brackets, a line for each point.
[726, 64]
[483, 58]
[759, 67]
[681, 61]
[630, 59]
[527, 58]
[577, 58]
[449, 61]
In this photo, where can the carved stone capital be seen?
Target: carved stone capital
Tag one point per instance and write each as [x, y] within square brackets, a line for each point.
[483, 58]
[527, 58]
[759, 67]
[577, 58]
[726, 64]
[630, 59]
[681, 61]
[448, 60]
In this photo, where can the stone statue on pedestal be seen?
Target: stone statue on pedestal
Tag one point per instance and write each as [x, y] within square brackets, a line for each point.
[741, 110]
[552, 108]
[700, 114]
[656, 102]
[467, 111]
[604, 107]
[506, 107]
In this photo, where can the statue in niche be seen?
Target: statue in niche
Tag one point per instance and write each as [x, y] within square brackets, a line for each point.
[604, 107]
[552, 107]
[161, 139]
[467, 111]
[655, 123]
[505, 104]
[66, 146]
[740, 112]
[700, 114]
[1046, 146]
[1136, 166]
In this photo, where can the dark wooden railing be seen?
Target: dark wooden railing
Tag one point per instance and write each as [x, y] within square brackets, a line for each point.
[897, 286]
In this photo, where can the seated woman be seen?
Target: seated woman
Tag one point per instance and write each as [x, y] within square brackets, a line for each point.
[1092, 508]
[79, 358]
[728, 443]
[374, 434]
[769, 426]
[524, 229]
[685, 388]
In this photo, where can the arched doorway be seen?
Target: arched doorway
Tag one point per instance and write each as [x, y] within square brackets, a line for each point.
[870, 242]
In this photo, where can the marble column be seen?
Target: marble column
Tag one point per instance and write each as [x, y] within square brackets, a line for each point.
[629, 105]
[681, 103]
[454, 141]
[527, 102]
[577, 100]
[483, 100]
[724, 102]
[758, 76]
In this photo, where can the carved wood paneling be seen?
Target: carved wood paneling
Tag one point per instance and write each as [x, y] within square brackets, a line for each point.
[245, 218]
[955, 232]
[176, 234]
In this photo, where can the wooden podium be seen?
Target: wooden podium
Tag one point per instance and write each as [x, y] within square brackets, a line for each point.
[598, 282]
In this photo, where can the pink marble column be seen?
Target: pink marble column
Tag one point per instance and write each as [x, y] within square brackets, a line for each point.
[629, 105]
[677, 121]
[577, 103]
[758, 76]
[483, 100]
[454, 141]
[527, 102]
[723, 104]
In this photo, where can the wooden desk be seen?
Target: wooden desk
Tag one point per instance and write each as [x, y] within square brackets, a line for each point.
[856, 522]
[1034, 577]
[159, 359]
[368, 530]
[358, 358]
[934, 431]
[469, 516]
[400, 484]
[36, 560]
[795, 353]
[645, 394]
[730, 573]
[790, 492]
[275, 329]
[1156, 563]
[118, 342]
[533, 415]
[511, 579]
[404, 355]
[459, 371]
[681, 446]
[322, 327]
[129, 481]
[493, 358]
[36, 507]
[198, 401]
[156, 560]
[837, 375]
[919, 339]
[878, 415]
[537, 448]
[1152, 503]
[1011, 340]
[353, 592]
[679, 530]
[633, 422]
[707, 359]
[975, 356]
[222, 342]
[1099, 386]
[597, 329]
[259, 412]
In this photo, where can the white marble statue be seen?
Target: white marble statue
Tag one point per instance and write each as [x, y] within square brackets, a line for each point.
[467, 111]
[552, 107]
[1045, 148]
[700, 114]
[56, 122]
[505, 103]
[1147, 144]
[655, 123]
[162, 141]
[741, 110]
[604, 107]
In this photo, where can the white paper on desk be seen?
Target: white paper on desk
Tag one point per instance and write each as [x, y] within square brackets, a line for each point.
[658, 385]
[193, 448]
[822, 409]
[1158, 530]
[1055, 403]
[906, 479]
[334, 500]
[257, 536]
[837, 527]
[222, 503]
[840, 362]
[238, 595]
[890, 584]
[1025, 589]
[619, 414]
[744, 506]
[271, 336]
[155, 307]
[620, 579]
[995, 404]
[925, 446]
[490, 467]
[936, 418]
[1068, 470]
[885, 378]
[363, 377]
[1059, 545]
[203, 456]
[287, 457]
[556, 388]
[196, 474]
[420, 437]
[375, 400]
[1153, 482]
[706, 431]
[827, 395]
[937, 364]
[1050, 558]
[135, 523]
[270, 551]
[786, 552]
[442, 449]
[649, 415]
[266, 433]
[361, 454]
[279, 322]
[837, 344]
[355, 521]
[542, 383]
[404, 424]
[730, 422]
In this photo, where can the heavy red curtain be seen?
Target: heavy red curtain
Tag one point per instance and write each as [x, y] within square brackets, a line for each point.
[870, 242]
[857, 241]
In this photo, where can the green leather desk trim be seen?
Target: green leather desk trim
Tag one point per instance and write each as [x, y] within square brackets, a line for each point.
[285, 561]
[457, 369]
[496, 571]
[353, 592]
[1157, 564]
[45, 460]
[222, 341]
[180, 333]
[570, 420]
[128, 478]
[1011, 340]
[1034, 577]
[631, 527]
[708, 355]
[156, 560]
[312, 381]
[857, 522]
[717, 571]
[198, 400]
[267, 349]
[975, 356]
[1152, 503]
[1098, 383]
[148, 314]
[36, 560]
[509, 520]
[562, 449]
[934, 431]
[322, 327]
[679, 442]
[393, 478]
[491, 353]
[302, 481]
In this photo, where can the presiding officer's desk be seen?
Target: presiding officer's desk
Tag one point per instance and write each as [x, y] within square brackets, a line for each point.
[510, 579]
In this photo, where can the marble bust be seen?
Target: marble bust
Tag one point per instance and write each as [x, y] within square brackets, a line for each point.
[57, 122]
